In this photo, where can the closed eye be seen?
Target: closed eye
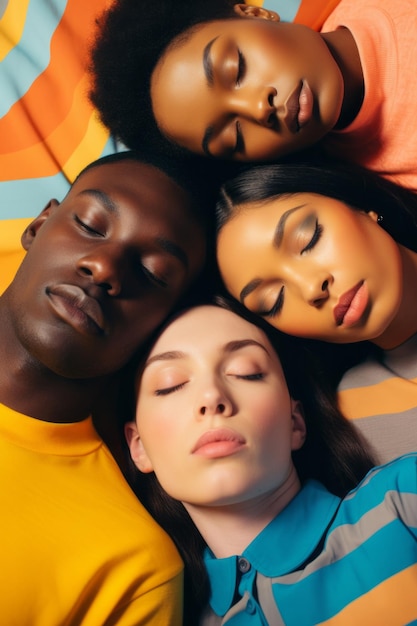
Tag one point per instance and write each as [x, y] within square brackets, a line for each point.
[168, 390]
[318, 230]
[160, 282]
[240, 144]
[87, 228]
[257, 376]
[279, 302]
[241, 68]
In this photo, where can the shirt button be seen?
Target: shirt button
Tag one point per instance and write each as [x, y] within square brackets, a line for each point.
[243, 565]
[250, 607]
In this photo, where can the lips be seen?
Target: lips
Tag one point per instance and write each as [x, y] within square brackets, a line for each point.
[351, 305]
[77, 308]
[219, 442]
[299, 107]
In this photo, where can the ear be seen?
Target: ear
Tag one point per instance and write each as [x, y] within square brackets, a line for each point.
[137, 451]
[31, 231]
[373, 215]
[248, 10]
[299, 431]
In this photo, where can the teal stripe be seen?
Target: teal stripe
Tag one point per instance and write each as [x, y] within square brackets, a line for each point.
[26, 198]
[20, 68]
[286, 9]
[348, 578]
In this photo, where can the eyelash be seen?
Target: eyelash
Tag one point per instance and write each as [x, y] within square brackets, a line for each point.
[86, 227]
[239, 146]
[254, 377]
[168, 390]
[241, 68]
[318, 231]
[277, 306]
[155, 279]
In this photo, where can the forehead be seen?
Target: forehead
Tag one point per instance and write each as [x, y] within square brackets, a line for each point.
[190, 329]
[146, 187]
[171, 85]
[187, 50]
[141, 192]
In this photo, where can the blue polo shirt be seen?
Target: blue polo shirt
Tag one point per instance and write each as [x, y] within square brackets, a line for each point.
[324, 560]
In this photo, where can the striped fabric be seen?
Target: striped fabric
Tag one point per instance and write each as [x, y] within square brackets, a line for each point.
[48, 130]
[380, 397]
[326, 562]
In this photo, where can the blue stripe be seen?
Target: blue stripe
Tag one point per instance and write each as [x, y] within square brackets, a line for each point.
[26, 198]
[31, 56]
[286, 9]
[343, 581]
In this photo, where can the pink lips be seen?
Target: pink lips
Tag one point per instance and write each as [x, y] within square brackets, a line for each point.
[219, 442]
[351, 305]
[77, 308]
[299, 107]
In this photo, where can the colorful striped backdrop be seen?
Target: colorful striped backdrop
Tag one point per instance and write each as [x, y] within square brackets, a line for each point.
[48, 129]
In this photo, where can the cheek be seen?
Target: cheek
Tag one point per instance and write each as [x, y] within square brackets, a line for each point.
[159, 423]
[269, 408]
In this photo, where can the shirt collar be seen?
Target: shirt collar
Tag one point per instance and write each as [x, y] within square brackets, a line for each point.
[291, 538]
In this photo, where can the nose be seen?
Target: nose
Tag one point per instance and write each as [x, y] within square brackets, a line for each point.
[104, 265]
[214, 400]
[256, 104]
[317, 290]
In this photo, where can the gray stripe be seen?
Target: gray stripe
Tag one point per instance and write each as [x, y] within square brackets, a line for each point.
[267, 601]
[388, 436]
[365, 374]
[211, 619]
[3, 6]
[347, 537]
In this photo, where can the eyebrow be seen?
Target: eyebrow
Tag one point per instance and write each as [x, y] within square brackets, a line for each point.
[231, 346]
[208, 62]
[276, 242]
[279, 230]
[208, 72]
[103, 198]
[173, 249]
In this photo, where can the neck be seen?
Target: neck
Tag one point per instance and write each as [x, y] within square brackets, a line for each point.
[30, 388]
[345, 52]
[404, 324]
[229, 529]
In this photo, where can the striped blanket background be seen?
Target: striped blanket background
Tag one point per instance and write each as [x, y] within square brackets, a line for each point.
[48, 129]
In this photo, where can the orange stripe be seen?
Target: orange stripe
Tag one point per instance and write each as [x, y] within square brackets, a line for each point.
[390, 396]
[314, 13]
[89, 148]
[42, 109]
[12, 25]
[11, 251]
[392, 603]
[48, 156]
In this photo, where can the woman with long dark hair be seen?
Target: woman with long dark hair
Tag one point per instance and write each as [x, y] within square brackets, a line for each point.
[330, 255]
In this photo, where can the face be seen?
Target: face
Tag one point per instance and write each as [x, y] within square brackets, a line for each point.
[247, 89]
[313, 267]
[104, 268]
[214, 417]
